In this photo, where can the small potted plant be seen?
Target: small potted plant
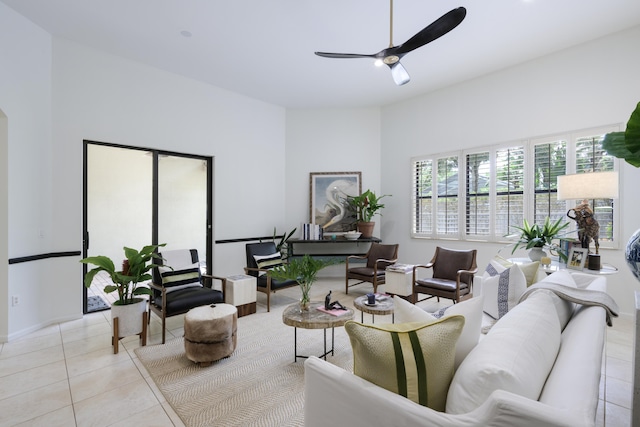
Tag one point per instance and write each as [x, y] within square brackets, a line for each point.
[305, 271]
[535, 238]
[135, 270]
[366, 205]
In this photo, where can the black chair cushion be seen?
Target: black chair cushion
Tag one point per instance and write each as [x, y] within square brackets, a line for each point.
[183, 300]
[275, 284]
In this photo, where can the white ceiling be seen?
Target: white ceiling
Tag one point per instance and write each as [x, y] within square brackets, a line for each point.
[264, 49]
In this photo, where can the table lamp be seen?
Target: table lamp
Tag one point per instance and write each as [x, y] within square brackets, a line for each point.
[584, 186]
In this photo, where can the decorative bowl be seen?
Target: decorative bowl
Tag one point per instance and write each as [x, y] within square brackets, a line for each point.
[352, 235]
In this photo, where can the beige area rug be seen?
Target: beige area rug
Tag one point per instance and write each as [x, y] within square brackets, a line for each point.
[258, 385]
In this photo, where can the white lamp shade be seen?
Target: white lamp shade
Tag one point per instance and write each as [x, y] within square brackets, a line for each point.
[595, 185]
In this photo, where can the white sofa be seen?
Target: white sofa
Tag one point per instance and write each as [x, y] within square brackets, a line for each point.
[569, 396]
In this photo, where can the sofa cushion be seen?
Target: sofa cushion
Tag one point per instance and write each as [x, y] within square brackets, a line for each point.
[516, 356]
[471, 309]
[563, 307]
[502, 287]
[414, 360]
[174, 280]
[531, 270]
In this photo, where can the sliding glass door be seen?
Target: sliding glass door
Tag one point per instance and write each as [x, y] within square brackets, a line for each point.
[134, 197]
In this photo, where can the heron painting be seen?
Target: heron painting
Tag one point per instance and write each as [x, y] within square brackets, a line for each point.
[329, 207]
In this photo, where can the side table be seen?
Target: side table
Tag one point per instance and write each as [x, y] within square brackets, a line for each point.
[384, 305]
[313, 319]
[399, 282]
[241, 292]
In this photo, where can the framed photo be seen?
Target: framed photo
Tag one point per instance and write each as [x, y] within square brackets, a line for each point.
[577, 258]
[328, 205]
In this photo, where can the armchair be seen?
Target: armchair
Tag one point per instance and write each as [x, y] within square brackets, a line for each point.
[177, 285]
[261, 258]
[378, 258]
[453, 272]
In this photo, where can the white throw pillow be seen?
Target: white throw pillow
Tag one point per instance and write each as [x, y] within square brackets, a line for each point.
[502, 287]
[471, 309]
[517, 356]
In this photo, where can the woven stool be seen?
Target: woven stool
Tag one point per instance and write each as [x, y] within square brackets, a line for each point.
[210, 333]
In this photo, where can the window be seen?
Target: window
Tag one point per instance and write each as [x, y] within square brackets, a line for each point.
[503, 185]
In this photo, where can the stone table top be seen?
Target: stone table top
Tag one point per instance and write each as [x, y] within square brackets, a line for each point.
[314, 318]
[384, 305]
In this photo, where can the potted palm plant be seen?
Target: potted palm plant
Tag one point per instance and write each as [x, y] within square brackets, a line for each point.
[136, 268]
[366, 205]
[535, 238]
[305, 271]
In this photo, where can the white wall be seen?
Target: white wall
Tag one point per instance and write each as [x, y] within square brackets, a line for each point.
[587, 86]
[101, 97]
[25, 99]
[329, 140]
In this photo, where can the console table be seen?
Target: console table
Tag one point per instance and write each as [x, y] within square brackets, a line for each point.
[330, 247]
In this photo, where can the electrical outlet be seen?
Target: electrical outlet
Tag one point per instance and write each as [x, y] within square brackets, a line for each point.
[15, 300]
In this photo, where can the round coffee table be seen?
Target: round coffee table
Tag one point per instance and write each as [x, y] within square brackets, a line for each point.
[313, 319]
[384, 305]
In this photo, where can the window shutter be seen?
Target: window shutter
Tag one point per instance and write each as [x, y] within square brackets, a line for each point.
[478, 206]
[509, 189]
[447, 196]
[422, 210]
[550, 161]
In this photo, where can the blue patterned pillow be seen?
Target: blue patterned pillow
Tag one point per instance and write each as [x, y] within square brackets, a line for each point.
[502, 287]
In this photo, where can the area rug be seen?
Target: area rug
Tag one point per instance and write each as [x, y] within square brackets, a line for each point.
[258, 385]
[96, 303]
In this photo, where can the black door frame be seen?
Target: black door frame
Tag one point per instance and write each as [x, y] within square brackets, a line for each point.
[154, 216]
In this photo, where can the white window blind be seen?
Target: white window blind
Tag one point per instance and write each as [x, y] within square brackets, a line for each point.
[447, 200]
[422, 210]
[549, 161]
[510, 181]
[478, 203]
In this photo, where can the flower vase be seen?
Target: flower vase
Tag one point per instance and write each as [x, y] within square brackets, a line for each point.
[305, 300]
[304, 304]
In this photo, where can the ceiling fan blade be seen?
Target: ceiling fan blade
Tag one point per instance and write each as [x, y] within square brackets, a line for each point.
[343, 55]
[399, 74]
[436, 29]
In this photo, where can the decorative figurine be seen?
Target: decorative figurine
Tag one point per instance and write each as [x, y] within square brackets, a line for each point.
[327, 301]
[588, 227]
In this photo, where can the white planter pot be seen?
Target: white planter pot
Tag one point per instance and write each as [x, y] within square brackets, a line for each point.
[129, 317]
[536, 254]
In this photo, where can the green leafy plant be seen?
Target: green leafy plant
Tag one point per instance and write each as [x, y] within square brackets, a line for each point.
[535, 236]
[626, 145]
[282, 244]
[366, 205]
[136, 269]
[304, 270]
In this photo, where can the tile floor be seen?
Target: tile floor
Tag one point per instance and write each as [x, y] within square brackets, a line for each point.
[67, 375]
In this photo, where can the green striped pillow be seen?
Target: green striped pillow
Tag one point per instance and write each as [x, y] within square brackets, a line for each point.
[415, 360]
[174, 280]
[267, 262]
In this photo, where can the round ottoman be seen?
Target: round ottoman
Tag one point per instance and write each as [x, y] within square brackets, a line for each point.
[210, 332]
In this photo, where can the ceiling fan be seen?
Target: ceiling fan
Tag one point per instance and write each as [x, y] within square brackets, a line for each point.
[391, 56]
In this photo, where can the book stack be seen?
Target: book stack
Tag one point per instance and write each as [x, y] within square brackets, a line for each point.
[400, 268]
[311, 231]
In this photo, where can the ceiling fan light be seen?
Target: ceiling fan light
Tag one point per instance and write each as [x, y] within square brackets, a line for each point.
[399, 74]
[378, 62]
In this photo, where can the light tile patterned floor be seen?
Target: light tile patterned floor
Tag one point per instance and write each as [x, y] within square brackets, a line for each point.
[67, 374]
